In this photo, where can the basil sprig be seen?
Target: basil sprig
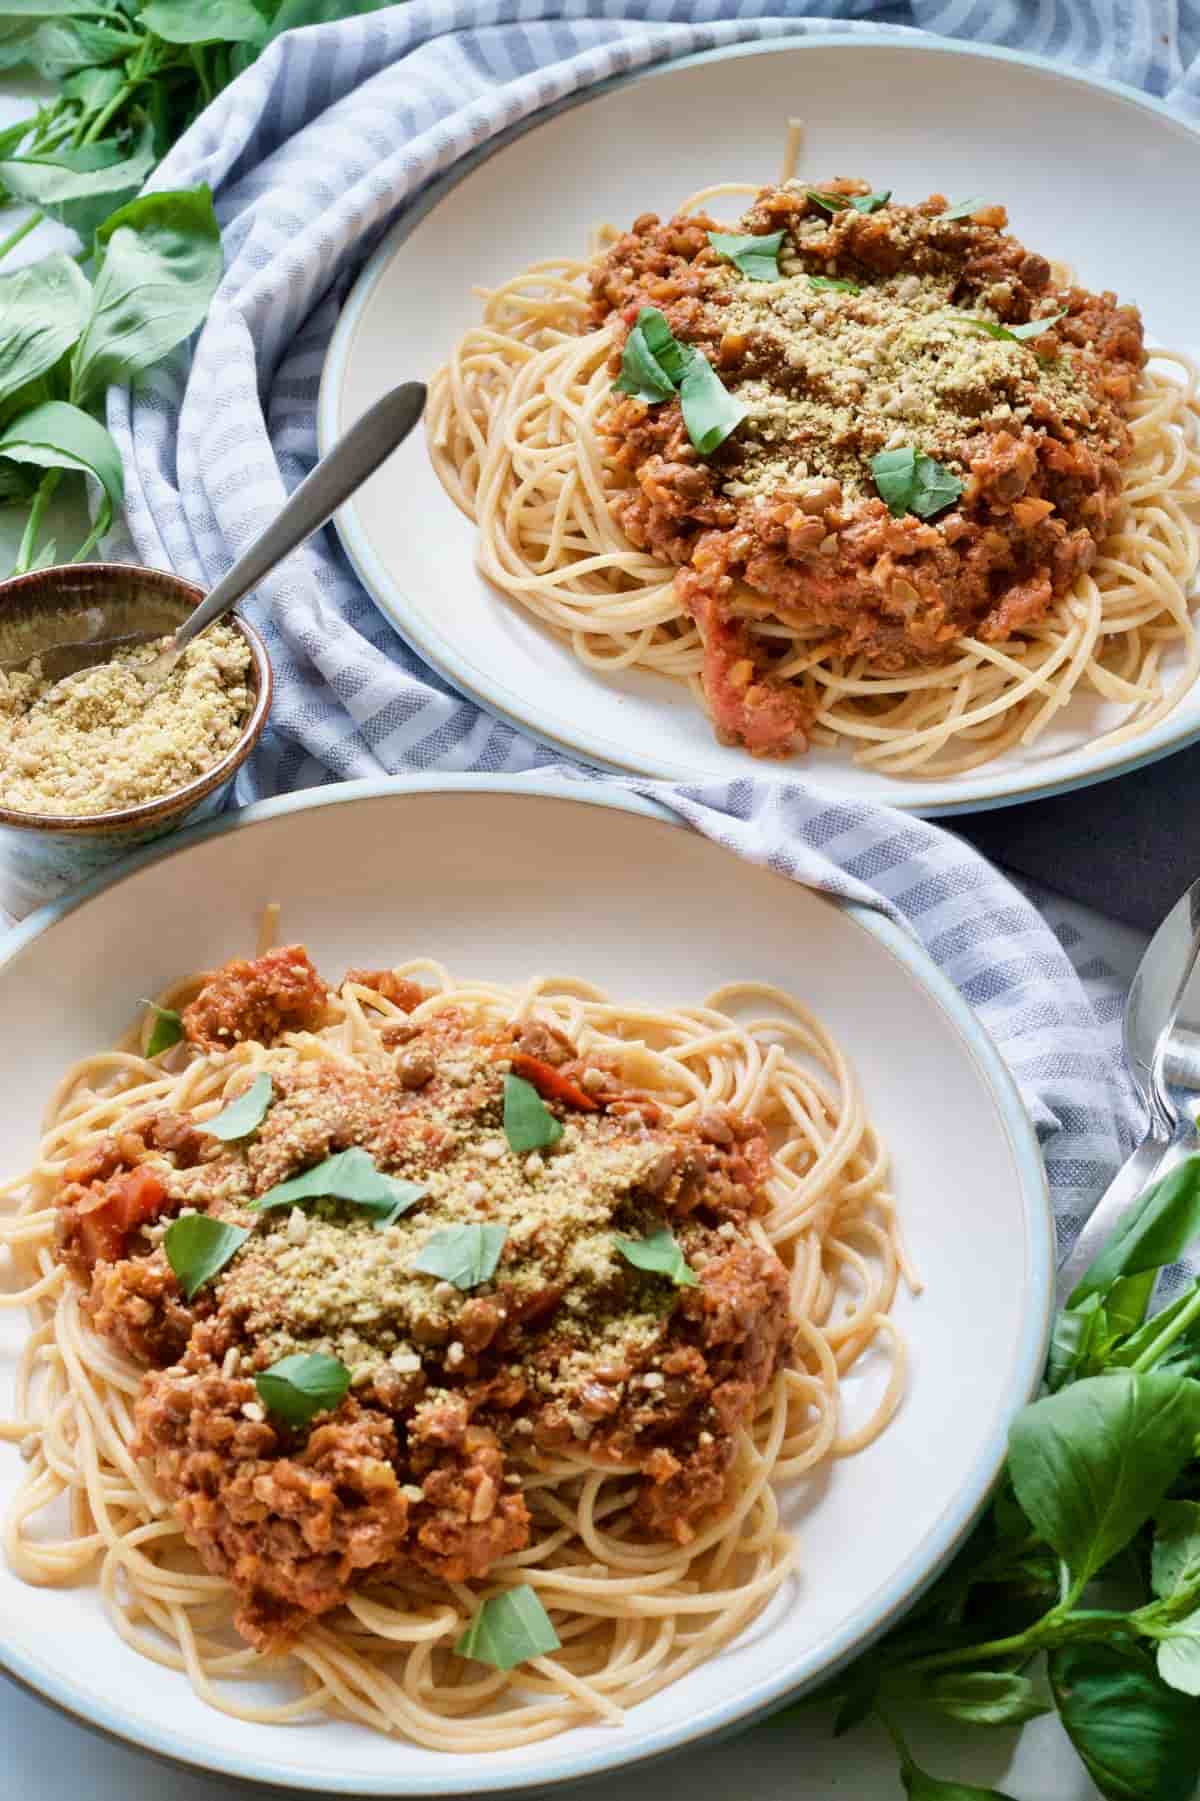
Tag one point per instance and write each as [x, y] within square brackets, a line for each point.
[529, 1124]
[840, 203]
[166, 1030]
[465, 1255]
[653, 359]
[198, 1248]
[911, 482]
[709, 410]
[757, 258]
[834, 284]
[299, 1387]
[832, 203]
[347, 1176]
[660, 1254]
[243, 1115]
[1016, 334]
[655, 365]
[1098, 1485]
[508, 1629]
[963, 209]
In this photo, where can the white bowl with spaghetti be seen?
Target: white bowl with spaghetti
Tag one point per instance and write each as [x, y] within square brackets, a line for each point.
[886, 1104]
[495, 552]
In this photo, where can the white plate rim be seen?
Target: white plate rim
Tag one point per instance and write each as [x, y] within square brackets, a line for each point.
[388, 594]
[907, 1583]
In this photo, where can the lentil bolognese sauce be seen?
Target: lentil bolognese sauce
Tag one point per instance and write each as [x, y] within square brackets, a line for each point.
[386, 1332]
[860, 471]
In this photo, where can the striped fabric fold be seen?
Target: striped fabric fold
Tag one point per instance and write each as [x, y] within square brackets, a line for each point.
[312, 155]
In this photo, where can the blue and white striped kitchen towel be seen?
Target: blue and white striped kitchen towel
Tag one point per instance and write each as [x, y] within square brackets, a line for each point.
[311, 155]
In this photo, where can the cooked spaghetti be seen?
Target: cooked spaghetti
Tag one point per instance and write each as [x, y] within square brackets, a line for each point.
[1039, 543]
[332, 1378]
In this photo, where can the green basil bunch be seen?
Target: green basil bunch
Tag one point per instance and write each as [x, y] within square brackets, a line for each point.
[1080, 1590]
[131, 77]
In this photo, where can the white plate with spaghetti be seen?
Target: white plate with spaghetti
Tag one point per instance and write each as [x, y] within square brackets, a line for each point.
[910, 546]
[611, 1483]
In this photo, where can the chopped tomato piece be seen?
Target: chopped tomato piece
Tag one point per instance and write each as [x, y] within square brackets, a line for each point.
[551, 1084]
[111, 1213]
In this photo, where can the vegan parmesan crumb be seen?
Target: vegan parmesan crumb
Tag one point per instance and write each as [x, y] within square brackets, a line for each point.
[100, 740]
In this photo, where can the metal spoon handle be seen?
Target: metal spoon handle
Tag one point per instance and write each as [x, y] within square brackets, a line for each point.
[369, 442]
[1152, 1159]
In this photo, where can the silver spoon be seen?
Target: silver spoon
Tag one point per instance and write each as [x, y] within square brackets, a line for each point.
[1162, 1048]
[355, 456]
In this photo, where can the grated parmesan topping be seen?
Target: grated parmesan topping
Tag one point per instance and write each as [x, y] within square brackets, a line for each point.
[100, 740]
[855, 374]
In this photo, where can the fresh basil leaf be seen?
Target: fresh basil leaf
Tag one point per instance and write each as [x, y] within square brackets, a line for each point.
[962, 209]
[508, 1629]
[653, 360]
[43, 307]
[756, 257]
[348, 1175]
[1126, 1302]
[870, 203]
[299, 1387]
[465, 1255]
[1015, 334]
[58, 436]
[243, 1115]
[160, 269]
[16, 47]
[710, 411]
[832, 203]
[1092, 1463]
[198, 1248]
[166, 1030]
[1178, 1656]
[94, 88]
[1175, 1557]
[895, 473]
[1167, 1219]
[934, 488]
[43, 9]
[908, 481]
[1077, 1333]
[834, 284]
[660, 1255]
[985, 1697]
[641, 374]
[1139, 1739]
[80, 187]
[62, 46]
[205, 21]
[671, 356]
[14, 135]
[529, 1124]
[1139, 1343]
[919, 1785]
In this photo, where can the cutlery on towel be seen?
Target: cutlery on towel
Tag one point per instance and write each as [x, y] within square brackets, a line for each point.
[342, 470]
[1162, 1048]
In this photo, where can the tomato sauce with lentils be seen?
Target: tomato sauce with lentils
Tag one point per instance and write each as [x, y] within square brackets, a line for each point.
[783, 521]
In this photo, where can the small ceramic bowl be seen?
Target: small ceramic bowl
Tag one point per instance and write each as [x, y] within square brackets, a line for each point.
[42, 854]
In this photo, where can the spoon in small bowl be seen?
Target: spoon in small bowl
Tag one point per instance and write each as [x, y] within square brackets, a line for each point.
[1162, 1049]
[343, 469]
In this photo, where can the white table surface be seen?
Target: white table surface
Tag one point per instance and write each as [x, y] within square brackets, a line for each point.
[47, 1757]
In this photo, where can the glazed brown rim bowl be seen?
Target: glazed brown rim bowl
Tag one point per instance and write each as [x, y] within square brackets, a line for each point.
[71, 603]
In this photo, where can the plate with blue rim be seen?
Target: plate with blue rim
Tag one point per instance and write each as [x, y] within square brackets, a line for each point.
[501, 877]
[912, 114]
